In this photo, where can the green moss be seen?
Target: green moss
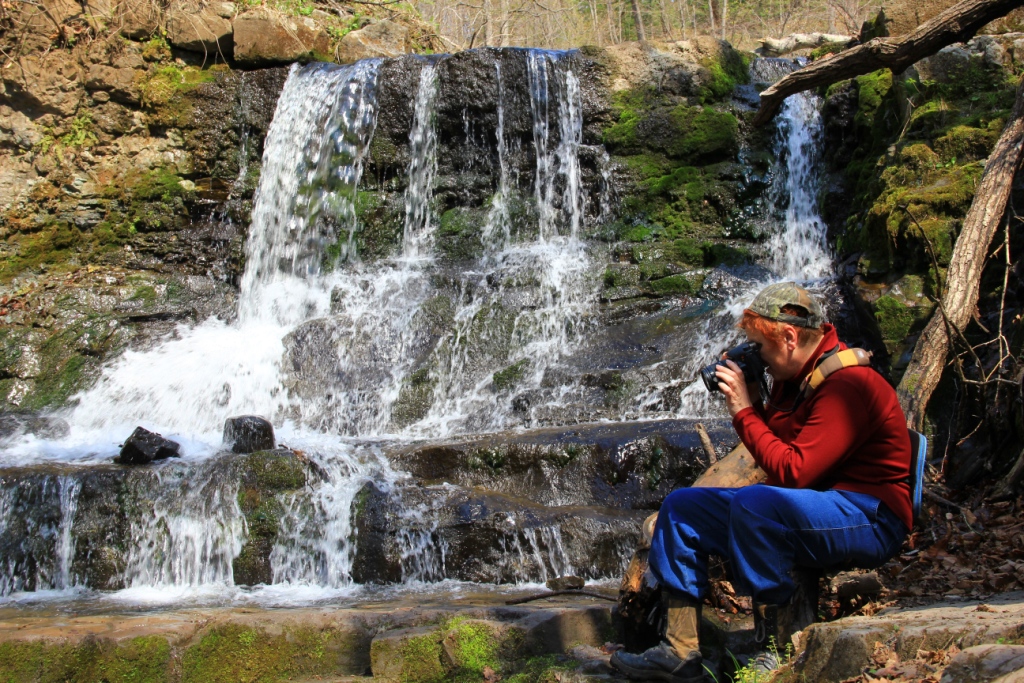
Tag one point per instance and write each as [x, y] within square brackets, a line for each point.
[493, 459]
[729, 69]
[894, 319]
[138, 660]
[233, 653]
[966, 143]
[145, 293]
[544, 669]
[630, 107]
[379, 232]
[162, 185]
[676, 284]
[459, 235]
[156, 49]
[274, 472]
[511, 376]
[623, 276]
[827, 49]
[414, 398]
[702, 132]
[688, 251]
[872, 89]
[416, 659]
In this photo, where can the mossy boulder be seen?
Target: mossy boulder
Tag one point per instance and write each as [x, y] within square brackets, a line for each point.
[265, 477]
[145, 659]
[459, 649]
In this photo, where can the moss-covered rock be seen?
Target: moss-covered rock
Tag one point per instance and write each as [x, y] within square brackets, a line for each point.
[265, 476]
[512, 375]
[459, 235]
[458, 649]
[144, 659]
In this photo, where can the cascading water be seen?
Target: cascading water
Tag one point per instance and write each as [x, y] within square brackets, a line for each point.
[325, 344]
[422, 166]
[797, 246]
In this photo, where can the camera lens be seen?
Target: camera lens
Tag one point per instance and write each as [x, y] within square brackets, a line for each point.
[707, 373]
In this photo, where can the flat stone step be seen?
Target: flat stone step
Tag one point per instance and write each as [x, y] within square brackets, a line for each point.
[411, 638]
[842, 649]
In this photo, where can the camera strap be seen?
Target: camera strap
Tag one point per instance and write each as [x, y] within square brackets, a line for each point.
[828, 363]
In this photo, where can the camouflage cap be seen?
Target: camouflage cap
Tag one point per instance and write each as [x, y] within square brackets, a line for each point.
[770, 301]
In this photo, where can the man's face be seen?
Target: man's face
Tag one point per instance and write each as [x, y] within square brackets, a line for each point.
[778, 356]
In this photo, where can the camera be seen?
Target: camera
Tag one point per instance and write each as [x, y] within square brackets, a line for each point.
[746, 355]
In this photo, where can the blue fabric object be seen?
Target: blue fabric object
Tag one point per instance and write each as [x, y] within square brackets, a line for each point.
[766, 531]
[918, 458]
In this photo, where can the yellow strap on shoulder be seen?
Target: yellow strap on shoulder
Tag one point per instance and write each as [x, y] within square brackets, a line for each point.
[847, 358]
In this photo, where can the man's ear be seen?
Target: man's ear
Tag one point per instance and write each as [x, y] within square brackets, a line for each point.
[791, 337]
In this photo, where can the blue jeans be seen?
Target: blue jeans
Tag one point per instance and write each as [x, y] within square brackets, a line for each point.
[766, 531]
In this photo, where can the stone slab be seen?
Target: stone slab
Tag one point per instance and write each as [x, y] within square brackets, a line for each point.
[841, 649]
[342, 634]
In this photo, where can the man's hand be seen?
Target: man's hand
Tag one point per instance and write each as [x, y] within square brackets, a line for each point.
[733, 387]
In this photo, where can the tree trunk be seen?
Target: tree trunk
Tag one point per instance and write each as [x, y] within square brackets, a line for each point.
[638, 19]
[776, 47]
[956, 24]
[965, 268]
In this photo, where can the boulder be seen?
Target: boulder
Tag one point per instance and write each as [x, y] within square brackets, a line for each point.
[985, 663]
[248, 434]
[144, 446]
[206, 32]
[139, 19]
[263, 36]
[380, 39]
[119, 83]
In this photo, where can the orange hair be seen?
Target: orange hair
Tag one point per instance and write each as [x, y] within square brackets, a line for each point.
[772, 329]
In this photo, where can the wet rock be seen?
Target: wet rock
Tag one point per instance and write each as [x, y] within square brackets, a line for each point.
[248, 433]
[984, 663]
[144, 446]
[565, 583]
[619, 465]
[263, 37]
[380, 39]
[40, 426]
[206, 32]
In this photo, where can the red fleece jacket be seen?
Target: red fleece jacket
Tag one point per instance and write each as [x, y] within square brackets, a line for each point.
[850, 434]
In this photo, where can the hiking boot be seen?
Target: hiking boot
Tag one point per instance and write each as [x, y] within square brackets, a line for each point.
[773, 629]
[660, 663]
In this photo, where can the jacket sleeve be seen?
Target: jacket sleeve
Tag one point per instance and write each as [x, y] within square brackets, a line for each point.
[838, 421]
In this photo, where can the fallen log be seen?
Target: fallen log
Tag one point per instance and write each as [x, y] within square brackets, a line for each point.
[960, 295]
[776, 47]
[955, 25]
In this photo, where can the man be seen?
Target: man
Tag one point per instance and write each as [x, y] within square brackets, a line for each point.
[837, 459]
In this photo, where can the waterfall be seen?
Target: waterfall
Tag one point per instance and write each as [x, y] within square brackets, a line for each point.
[497, 230]
[797, 244]
[192, 535]
[331, 346]
[422, 166]
[43, 510]
[561, 163]
[799, 250]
